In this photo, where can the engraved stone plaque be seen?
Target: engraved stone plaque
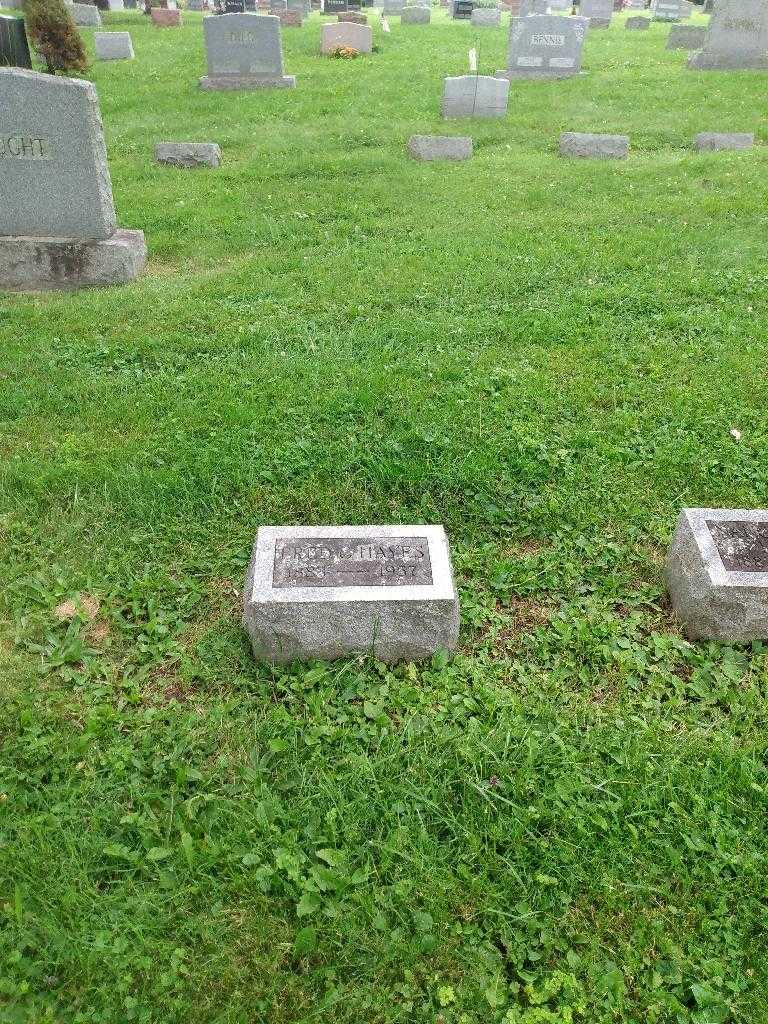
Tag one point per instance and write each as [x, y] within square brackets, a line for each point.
[334, 591]
[717, 573]
[742, 546]
[365, 562]
[544, 46]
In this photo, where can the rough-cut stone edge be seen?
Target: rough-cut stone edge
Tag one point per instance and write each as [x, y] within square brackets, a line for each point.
[123, 56]
[710, 602]
[67, 264]
[188, 154]
[440, 147]
[95, 134]
[394, 624]
[224, 83]
[588, 145]
[712, 142]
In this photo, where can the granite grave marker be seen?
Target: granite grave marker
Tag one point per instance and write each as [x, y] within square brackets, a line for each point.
[244, 51]
[544, 46]
[737, 37]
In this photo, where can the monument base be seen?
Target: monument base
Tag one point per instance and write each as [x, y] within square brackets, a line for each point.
[704, 61]
[540, 73]
[65, 264]
[240, 82]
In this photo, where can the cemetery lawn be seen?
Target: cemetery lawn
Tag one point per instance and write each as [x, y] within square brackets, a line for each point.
[567, 822]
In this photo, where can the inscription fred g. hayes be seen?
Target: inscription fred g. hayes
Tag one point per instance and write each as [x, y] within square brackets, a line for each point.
[346, 562]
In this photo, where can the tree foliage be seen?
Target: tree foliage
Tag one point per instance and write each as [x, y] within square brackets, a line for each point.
[54, 35]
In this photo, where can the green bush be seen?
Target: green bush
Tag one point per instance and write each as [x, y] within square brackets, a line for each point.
[54, 35]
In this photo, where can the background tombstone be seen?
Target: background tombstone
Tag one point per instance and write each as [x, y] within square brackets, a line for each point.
[166, 17]
[637, 22]
[475, 96]
[113, 45]
[686, 37]
[717, 574]
[544, 46]
[486, 17]
[244, 51]
[599, 12]
[355, 17]
[346, 33]
[415, 16]
[291, 19]
[58, 227]
[334, 6]
[737, 37]
[234, 6]
[86, 15]
[332, 592]
[14, 48]
[462, 9]
[667, 10]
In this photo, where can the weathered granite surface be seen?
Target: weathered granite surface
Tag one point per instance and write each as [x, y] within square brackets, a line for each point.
[717, 574]
[440, 147]
[544, 46]
[113, 45]
[415, 16]
[737, 37]
[713, 141]
[65, 264]
[475, 96]
[346, 33]
[485, 17]
[333, 592]
[188, 154]
[598, 147]
[244, 51]
[686, 37]
[637, 23]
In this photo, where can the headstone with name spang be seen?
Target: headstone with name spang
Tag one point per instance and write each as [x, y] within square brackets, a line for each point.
[244, 51]
[58, 228]
[737, 37]
[14, 48]
[717, 574]
[544, 46]
[335, 592]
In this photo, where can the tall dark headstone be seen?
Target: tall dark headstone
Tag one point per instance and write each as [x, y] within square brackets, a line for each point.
[14, 49]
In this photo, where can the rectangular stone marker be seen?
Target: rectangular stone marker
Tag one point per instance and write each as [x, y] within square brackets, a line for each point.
[462, 9]
[188, 154]
[392, 8]
[334, 6]
[596, 147]
[332, 592]
[638, 23]
[737, 37]
[86, 15]
[717, 574]
[113, 45]
[346, 33]
[686, 37]
[545, 46]
[485, 17]
[415, 16]
[244, 51]
[667, 10]
[163, 18]
[291, 19]
[14, 48]
[234, 6]
[440, 147]
[475, 96]
[713, 141]
[57, 219]
[599, 12]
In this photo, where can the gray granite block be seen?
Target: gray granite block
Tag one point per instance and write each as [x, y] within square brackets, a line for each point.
[712, 141]
[485, 17]
[544, 46]
[667, 10]
[637, 23]
[599, 147]
[686, 37]
[86, 15]
[415, 16]
[54, 178]
[244, 51]
[188, 154]
[440, 147]
[64, 264]
[737, 37]
[599, 12]
[334, 592]
[346, 34]
[475, 96]
[717, 574]
[113, 45]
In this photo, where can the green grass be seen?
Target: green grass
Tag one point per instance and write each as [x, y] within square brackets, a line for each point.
[567, 823]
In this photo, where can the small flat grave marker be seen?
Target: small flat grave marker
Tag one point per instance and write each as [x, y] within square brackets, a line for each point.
[710, 142]
[332, 592]
[717, 574]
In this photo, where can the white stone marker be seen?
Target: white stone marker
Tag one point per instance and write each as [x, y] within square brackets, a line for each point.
[86, 15]
[244, 51]
[58, 228]
[475, 96]
[737, 37]
[717, 574]
[113, 45]
[334, 591]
